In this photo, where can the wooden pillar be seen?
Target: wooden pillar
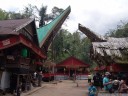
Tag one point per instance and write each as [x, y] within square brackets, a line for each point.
[75, 73]
[18, 81]
[18, 85]
[69, 72]
[63, 71]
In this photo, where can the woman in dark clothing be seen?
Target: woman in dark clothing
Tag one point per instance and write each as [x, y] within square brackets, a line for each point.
[96, 79]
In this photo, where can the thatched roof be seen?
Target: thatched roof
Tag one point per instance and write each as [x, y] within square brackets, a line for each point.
[113, 46]
[107, 50]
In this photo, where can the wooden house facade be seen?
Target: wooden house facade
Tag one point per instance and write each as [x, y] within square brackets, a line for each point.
[23, 48]
[19, 50]
[46, 35]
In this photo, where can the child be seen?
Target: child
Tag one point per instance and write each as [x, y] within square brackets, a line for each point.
[92, 90]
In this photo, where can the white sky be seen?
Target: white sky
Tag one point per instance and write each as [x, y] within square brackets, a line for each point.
[98, 15]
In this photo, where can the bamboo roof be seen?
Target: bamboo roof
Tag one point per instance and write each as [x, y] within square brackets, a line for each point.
[113, 46]
[106, 50]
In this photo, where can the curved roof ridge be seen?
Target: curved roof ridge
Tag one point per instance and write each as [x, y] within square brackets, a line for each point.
[44, 32]
[90, 34]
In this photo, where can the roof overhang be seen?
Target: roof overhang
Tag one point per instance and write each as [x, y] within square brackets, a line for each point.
[20, 39]
[72, 62]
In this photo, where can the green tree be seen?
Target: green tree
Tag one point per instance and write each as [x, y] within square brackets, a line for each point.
[66, 44]
[29, 11]
[43, 15]
[58, 46]
[13, 15]
[3, 15]
[120, 31]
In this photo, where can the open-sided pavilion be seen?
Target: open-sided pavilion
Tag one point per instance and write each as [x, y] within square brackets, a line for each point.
[72, 67]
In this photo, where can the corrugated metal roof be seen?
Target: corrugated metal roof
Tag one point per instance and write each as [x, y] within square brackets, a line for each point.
[12, 26]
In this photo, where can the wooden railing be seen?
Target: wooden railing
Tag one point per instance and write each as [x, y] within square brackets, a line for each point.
[17, 62]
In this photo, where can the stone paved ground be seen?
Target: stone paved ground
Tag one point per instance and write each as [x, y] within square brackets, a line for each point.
[64, 88]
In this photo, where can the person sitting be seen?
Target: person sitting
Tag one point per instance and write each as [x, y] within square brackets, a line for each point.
[115, 85]
[123, 88]
[92, 90]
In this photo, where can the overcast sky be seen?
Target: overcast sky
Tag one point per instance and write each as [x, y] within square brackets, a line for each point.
[98, 15]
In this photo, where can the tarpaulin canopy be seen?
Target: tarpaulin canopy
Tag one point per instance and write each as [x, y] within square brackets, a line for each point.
[116, 68]
[112, 68]
[72, 62]
[97, 69]
[101, 68]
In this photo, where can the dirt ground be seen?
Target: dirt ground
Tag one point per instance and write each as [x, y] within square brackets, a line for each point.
[62, 88]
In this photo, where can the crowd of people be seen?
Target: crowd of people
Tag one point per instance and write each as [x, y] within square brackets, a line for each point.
[109, 82]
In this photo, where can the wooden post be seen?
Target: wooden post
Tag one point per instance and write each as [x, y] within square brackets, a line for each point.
[69, 72]
[18, 86]
[17, 81]
[75, 73]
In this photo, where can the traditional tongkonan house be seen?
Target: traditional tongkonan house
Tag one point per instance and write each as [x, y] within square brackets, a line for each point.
[23, 48]
[19, 50]
[108, 51]
[47, 33]
[72, 67]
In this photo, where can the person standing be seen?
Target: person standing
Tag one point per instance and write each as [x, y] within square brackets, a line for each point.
[89, 78]
[96, 79]
[107, 83]
[101, 81]
[39, 78]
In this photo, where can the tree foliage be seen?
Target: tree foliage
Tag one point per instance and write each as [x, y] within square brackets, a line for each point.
[120, 31]
[43, 15]
[3, 15]
[66, 44]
